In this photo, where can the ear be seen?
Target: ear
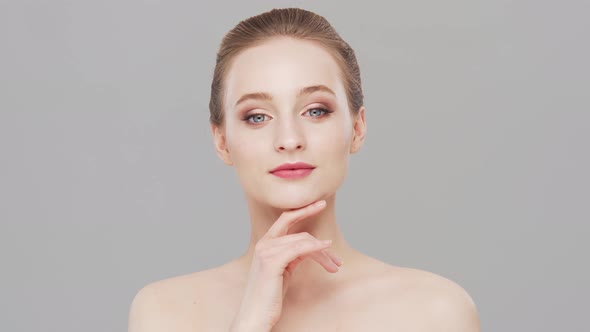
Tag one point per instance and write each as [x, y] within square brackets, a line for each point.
[359, 130]
[220, 144]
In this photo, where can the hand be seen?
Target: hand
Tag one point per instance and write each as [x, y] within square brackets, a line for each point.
[275, 257]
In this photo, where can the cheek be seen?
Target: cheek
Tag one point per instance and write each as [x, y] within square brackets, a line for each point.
[334, 140]
[241, 151]
[245, 147]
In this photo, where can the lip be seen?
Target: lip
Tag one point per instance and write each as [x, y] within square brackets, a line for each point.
[293, 170]
[293, 166]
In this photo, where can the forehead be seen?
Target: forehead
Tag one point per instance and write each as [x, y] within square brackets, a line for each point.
[281, 67]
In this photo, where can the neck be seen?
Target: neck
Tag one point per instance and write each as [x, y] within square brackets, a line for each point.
[308, 275]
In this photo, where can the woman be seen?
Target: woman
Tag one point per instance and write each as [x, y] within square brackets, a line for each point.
[287, 111]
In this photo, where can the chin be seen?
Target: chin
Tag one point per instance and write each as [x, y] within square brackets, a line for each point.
[289, 204]
[293, 195]
[288, 200]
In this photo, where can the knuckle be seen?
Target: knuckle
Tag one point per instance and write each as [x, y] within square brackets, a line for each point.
[264, 264]
[300, 246]
[260, 249]
[264, 259]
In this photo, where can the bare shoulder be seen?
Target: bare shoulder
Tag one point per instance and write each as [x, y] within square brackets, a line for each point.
[432, 301]
[178, 303]
[144, 314]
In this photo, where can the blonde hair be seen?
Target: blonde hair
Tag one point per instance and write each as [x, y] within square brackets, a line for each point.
[288, 22]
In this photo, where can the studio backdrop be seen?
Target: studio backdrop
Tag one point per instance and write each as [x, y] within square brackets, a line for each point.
[475, 164]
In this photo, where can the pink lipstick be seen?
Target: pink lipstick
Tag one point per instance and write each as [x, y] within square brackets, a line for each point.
[293, 170]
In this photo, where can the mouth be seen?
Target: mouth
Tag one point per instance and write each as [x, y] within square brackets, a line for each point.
[293, 170]
[295, 173]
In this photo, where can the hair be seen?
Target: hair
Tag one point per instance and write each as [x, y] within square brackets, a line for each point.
[286, 22]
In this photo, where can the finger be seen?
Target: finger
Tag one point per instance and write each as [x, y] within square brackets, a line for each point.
[319, 256]
[325, 257]
[300, 249]
[289, 238]
[324, 260]
[291, 266]
[330, 253]
[281, 226]
[277, 245]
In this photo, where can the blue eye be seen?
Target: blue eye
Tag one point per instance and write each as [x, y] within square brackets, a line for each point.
[255, 118]
[259, 118]
[319, 112]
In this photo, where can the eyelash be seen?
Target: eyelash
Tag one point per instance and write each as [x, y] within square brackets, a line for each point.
[325, 111]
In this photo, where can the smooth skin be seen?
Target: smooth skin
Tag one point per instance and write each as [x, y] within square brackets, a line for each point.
[287, 279]
[276, 256]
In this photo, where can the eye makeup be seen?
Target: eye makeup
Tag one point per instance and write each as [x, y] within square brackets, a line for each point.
[248, 117]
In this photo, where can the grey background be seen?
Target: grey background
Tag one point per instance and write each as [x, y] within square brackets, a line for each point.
[475, 165]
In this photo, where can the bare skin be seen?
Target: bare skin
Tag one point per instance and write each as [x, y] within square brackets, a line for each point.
[364, 294]
[287, 280]
[376, 297]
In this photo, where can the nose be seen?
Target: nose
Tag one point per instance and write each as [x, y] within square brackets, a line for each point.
[289, 137]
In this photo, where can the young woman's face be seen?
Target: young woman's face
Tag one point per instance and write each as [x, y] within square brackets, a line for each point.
[285, 103]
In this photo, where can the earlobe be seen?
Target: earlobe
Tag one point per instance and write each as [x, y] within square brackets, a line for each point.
[358, 131]
[220, 144]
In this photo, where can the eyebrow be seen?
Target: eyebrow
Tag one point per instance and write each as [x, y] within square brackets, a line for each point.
[267, 96]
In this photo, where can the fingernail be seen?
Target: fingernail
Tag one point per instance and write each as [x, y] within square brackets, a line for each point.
[326, 241]
[320, 203]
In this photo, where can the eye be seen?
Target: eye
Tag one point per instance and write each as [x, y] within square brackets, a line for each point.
[318, 112]
[255, 118]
